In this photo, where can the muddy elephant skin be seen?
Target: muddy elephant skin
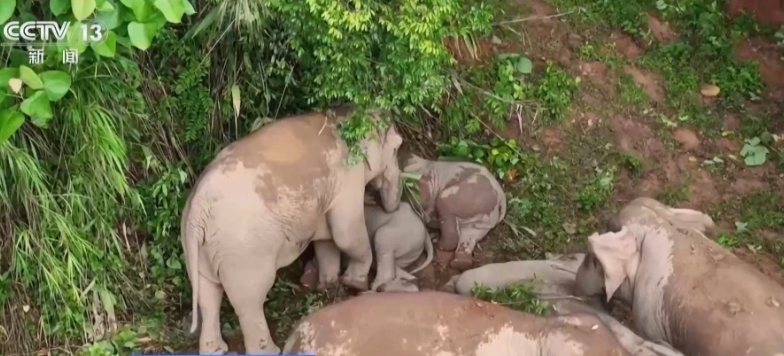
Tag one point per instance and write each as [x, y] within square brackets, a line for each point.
[685, 289]
[553, 280]
[260, 202]
[462, 199]
[398, 240]
[434, 323]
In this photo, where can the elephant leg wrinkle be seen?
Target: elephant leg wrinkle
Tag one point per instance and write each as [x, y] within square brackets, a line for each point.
[211, 296]
[247, 285]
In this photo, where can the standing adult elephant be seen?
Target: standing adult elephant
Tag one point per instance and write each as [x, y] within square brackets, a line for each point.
[260, 202]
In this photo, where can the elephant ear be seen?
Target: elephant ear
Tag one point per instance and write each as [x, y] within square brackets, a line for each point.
[692, 219]
[619, 256]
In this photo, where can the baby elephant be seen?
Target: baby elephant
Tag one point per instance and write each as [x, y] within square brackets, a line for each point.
[434, 323]
[462, 199]
[553, 281]
[398, 240]
[685, 289]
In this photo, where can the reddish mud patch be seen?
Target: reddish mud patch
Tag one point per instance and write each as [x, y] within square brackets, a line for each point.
[703, 191]
[637, 138]
[687, 138]
[552, 137]
[764, 262]
[730, 123]
[661, 30]
[768, 57]
[626, 46]
[769, 12]
[649, 82]
[594, 71]
[540, 8]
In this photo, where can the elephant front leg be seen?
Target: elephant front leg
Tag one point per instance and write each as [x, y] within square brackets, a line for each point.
[385, 269]
[347, 222]
[310, 275]
[328, 262]
[210, 297]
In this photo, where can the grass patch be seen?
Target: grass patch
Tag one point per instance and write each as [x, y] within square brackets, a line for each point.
[519, 296]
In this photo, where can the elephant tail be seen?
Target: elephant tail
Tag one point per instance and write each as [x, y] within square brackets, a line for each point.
[428, 251]
[192, 236]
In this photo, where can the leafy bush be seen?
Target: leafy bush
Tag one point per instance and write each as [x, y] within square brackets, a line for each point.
[97, 157]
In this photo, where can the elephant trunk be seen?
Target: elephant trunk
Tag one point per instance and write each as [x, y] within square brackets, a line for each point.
[390, 194]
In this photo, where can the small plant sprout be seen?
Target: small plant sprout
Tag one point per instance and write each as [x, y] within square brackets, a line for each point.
[753, 152]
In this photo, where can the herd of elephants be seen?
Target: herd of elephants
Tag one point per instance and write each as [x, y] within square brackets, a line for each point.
[267, 196]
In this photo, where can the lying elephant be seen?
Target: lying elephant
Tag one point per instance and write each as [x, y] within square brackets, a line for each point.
[260, 202]
[434, 323]
[685, 289]
[398, 240]
[462, 199]
[554, 281]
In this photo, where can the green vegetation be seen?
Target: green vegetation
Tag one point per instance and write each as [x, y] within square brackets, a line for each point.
[517, 296]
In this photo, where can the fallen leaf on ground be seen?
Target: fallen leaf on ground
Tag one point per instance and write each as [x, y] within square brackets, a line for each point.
[710, 90]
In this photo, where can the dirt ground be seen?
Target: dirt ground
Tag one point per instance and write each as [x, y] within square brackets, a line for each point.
[672, 158]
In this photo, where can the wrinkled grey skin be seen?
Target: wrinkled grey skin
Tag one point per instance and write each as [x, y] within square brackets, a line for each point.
[553, 281]
[462, 199]
[260, 202]
[442, 324]
[398, 240]
[685, 289]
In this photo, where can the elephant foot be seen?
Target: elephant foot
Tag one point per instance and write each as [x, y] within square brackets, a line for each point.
[442, 258]
[213, 347]
[360, 284]
[322, 286]
[462, 261]
[310, 279]
[398, 285]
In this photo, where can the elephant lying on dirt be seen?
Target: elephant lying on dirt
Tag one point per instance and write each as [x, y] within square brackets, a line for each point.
[398, 240]
[462, 199]
[260, 202]
[434, 323]
[685, 289]
[553, 281]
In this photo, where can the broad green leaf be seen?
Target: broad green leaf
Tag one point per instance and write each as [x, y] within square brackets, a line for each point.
[141, 34]
[171, 9]
[189, 10]
[59, 7]
[56, 84]
[29, 77]
[107, 47]
[109, 20]
[37, 107]
[75, 38]
[103, 6]
[7, 8]
[10, 121]
[524, 65]
[82, 9]
[141, 9]
[5, 75]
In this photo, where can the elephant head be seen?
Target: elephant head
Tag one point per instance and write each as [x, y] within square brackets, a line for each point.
[381, 165]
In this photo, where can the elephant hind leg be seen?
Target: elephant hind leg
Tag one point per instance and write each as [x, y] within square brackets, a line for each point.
[210, 298]
[465, 248]
[247, 285]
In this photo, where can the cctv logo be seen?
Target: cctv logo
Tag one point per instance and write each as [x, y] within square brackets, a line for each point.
[43, 31]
